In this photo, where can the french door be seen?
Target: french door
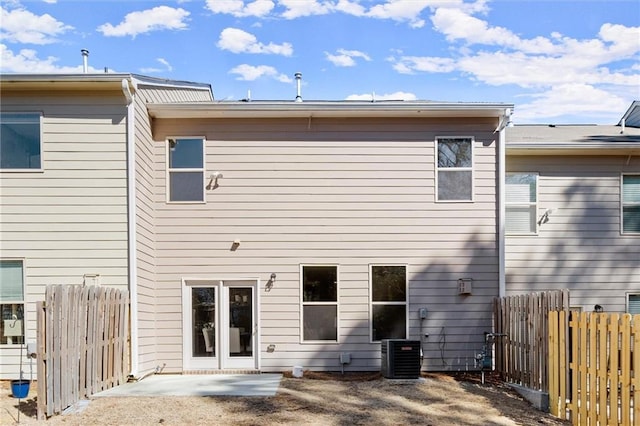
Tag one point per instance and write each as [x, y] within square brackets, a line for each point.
[220, 328]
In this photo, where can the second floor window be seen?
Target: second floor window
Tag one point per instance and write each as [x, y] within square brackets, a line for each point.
[20, 147]
[186, 170]
[521, 203]
[454, 169]
[631, 204]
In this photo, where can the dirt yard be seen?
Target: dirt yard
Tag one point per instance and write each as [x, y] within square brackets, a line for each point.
[316, 399]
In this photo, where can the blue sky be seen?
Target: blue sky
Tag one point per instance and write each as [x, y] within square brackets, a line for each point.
[558, 61]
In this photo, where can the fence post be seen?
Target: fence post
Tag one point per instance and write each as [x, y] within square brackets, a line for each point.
[41, 360]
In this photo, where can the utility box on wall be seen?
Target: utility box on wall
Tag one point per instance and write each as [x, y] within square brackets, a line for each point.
[400, 359]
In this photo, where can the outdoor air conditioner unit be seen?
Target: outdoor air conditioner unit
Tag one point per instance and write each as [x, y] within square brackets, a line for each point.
[400, 359]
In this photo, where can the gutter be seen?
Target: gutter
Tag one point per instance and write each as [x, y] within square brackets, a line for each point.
[502, 149]
[131, 213]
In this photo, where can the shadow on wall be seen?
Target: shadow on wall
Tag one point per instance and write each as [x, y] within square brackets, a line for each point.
[451, 334]
[579, 247]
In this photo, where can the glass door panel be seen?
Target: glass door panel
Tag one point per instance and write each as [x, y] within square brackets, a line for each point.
[203, 322]
[240, 322]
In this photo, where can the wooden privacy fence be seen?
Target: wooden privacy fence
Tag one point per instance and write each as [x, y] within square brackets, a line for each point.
[603, 385]
[521, 354]
[83, 344]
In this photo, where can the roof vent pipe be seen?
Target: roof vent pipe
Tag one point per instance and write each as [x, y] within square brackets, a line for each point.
[622, 124]
[85, 60]
[298, 76]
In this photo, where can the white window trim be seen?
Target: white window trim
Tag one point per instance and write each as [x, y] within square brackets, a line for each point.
[303, 304]
[535, 217]
[459, 169]
[16, 302]
[372, 303]
[38, 170]
[623, 204]
[168, 170]
[627, 297]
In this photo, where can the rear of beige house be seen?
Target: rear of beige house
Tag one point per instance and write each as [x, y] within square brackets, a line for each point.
[64, 188]
[320, 229]
[573, 213]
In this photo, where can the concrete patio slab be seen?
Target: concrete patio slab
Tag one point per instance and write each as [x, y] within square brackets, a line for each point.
[199, 385]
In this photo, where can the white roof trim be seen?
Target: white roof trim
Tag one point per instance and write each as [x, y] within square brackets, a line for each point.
[325, 109]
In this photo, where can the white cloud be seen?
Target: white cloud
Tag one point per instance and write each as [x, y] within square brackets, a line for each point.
[239, 41]
[345, 58]
[575, 99]
[411, 64]
[22, 26]
[50, 1]
[395, 96]
[152, 70]
[156, 19]
[250, 73]
[257, 8]
[298, 8]
[401, 10]
[27, 61]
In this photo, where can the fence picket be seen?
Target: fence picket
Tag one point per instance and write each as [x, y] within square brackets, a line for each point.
[82, 344]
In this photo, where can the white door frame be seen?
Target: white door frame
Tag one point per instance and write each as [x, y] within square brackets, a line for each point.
[219, 362]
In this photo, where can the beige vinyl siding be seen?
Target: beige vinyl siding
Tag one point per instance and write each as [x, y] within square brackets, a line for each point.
[69, 219]
[145, 238]
[580, 247]
[349, 192]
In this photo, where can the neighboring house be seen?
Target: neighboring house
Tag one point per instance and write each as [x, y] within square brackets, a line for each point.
[66, 185]
[573, 212]
[264, 235]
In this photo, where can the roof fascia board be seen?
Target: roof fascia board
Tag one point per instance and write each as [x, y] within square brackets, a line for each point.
[614, 148]
[36, 81]
[325, 109]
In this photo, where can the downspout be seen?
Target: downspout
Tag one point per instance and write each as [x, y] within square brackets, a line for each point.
[131, 212]
[504, 121]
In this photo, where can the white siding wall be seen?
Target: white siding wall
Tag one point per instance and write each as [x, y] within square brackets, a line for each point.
[71, 218]
[581, 247]
[346, 192]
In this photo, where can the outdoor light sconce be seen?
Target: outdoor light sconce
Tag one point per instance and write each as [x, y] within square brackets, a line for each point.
[598, 308]
[545, 217]
[269, 285]
[465, 285]
[213, 180]
[235, 245]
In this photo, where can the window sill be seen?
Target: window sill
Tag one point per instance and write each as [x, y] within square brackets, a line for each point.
[21, 170]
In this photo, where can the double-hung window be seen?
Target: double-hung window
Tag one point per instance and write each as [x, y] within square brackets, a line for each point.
[631, 204]
[454, 171]
[388, 302]
[12, 302]
[20, 141]
[319, 303]
[521, 201]
[186, 170]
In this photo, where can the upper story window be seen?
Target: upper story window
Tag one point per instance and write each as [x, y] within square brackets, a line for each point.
[521, 199]
[12, 302]
[20, 141]
[319, 303]
[388, 302]
[186, 170]
[631, 204]
[454, 172]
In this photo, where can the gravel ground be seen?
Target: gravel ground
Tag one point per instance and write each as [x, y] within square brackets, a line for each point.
[316, 399]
